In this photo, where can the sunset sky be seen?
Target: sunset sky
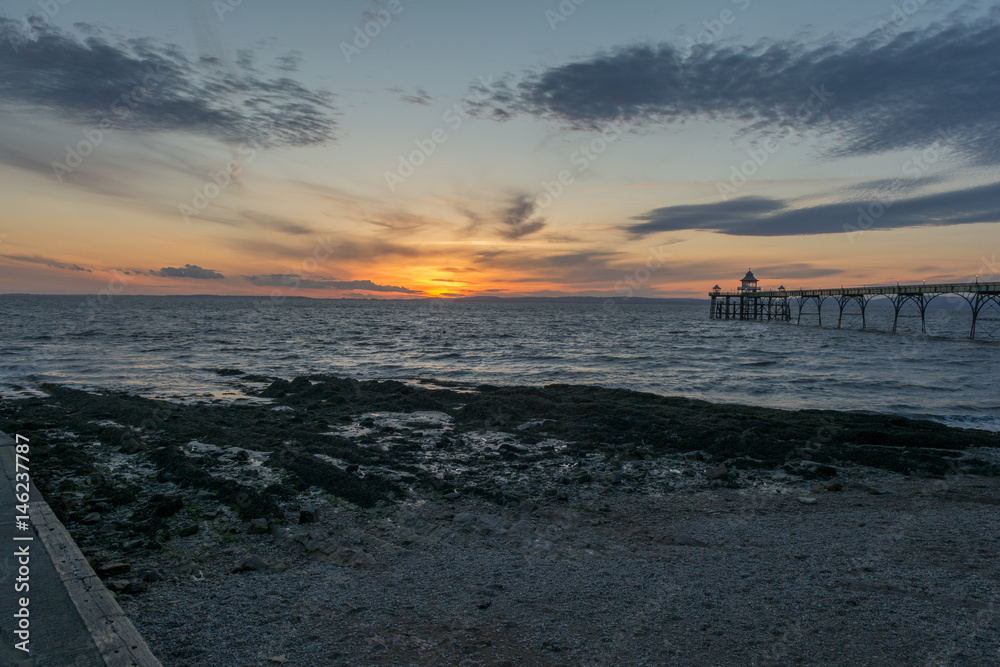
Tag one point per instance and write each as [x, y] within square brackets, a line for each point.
[527, 147]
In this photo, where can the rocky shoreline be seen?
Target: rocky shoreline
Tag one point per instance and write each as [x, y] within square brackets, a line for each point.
[325, 520]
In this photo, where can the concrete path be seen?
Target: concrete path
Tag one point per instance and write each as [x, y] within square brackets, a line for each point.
[74, 620]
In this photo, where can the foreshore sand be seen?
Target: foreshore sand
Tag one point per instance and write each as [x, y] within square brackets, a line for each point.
[330, 521]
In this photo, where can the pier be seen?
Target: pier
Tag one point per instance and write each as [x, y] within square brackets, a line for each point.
[749, 302]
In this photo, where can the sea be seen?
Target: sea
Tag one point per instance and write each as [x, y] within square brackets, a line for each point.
[189, 348]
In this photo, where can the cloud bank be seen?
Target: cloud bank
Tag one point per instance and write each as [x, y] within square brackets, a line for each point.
[764, 216]
[866, 96]
[189, 271]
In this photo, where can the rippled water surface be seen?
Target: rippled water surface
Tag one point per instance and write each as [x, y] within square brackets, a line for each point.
[170, 345]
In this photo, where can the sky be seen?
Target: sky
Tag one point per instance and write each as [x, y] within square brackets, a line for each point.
[415, 148]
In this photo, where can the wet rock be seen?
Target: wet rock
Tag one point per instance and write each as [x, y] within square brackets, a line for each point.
[165, 476]
[528, 506]
[683, 541]
[562, 494]
[834, 485]
[260, 527]
[132, 444]
[166, 506]
[91, 518]
[150, 575]
[615, 477]
[351, 557]
[309, 514]
[187, 529]
[454, 495]
[464, 517]
[251, 563]
[117, 586]
[135, 587]
[720, 472]
[113, 569]
[807, 500]
[811, 470]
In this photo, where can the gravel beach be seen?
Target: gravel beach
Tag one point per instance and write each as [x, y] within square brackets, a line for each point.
[326, 521]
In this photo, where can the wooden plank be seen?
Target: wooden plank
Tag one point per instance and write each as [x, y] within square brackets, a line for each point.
[116, 638]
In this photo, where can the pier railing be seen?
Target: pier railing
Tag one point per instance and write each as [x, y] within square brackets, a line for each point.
[873, 290]
[776, 305]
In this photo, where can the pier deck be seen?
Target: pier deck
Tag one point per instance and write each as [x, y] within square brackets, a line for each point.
[777, 305]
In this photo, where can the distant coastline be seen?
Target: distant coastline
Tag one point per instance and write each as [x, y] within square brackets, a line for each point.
[662, 301]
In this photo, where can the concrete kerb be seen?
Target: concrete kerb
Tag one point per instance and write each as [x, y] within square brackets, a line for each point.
[116, 642]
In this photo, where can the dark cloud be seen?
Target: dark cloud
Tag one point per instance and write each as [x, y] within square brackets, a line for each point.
[189, 271]
[290, 62]
[421, 97]
[293, 281]
[866, 96]
[38, 259]
[140, 84]
[516, 218]
[761, 216]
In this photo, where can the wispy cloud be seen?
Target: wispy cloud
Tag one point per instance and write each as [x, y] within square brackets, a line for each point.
[881, 94]
[293, 281]
[516, 218]
[421, 97]
[54, 263]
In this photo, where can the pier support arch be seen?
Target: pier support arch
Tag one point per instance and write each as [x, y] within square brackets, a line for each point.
[920, 299]
[819, 299]
[845, 299]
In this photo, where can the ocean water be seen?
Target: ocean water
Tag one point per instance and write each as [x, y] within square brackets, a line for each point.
[171, 346]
